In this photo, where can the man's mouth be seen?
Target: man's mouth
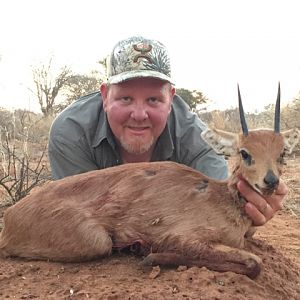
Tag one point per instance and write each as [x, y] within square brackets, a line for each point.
[139, 128]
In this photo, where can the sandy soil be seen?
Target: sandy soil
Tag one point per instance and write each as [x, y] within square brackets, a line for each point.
[121, 276]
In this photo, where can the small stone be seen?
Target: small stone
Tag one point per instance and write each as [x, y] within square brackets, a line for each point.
[155, 272]
[175, 289]
[181, 268]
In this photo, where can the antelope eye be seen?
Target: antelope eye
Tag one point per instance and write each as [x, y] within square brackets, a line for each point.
[246, 157]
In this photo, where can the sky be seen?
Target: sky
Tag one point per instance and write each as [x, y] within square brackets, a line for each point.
[213, 44]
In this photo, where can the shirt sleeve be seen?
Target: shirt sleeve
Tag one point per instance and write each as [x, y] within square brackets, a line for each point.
[68, 158]
[196, 153]
[209, 163]
[192, 150]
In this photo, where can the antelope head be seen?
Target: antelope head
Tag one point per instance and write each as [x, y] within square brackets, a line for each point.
[260, 153]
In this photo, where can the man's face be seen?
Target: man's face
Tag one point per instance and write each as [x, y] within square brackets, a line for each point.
[137, 111]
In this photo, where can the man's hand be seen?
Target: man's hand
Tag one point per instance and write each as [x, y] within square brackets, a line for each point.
[261, 209]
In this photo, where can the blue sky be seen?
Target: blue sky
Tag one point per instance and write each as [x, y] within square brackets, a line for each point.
[213, 44]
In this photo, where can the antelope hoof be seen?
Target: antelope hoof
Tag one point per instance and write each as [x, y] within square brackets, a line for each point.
[253, 268]
[149, 260]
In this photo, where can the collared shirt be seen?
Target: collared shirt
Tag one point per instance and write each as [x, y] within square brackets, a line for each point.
[81, 140]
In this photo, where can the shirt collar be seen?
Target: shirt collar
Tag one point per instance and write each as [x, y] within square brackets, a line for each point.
[164, 146]
[103, 132]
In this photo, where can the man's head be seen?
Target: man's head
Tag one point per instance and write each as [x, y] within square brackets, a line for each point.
[138, 95]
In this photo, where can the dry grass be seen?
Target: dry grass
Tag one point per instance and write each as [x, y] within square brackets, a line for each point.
[23, 165]
[292, 178]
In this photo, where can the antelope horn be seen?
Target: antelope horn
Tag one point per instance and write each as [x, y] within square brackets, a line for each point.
[277, 112]
[242, 115]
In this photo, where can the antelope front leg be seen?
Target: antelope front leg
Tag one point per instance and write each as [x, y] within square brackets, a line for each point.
[216, 257]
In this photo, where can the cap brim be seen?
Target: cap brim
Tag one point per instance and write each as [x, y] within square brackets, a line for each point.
[138, 74]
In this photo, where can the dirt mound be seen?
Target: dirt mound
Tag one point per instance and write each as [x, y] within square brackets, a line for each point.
[121, 276]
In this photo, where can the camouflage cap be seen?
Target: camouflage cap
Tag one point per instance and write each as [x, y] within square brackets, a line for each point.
[138, 57]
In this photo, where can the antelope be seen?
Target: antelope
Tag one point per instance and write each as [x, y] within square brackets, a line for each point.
[172, 213]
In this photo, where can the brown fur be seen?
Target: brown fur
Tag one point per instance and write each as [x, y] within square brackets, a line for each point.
[171, 210]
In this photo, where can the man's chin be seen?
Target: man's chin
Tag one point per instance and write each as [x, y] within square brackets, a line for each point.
[139, 147]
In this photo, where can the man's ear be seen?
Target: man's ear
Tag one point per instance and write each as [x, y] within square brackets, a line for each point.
[223, 142]
[104, 92]
[172, 94]
[291, 139]
[173, 91]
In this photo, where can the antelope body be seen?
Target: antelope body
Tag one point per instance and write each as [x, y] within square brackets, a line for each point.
[176, 215]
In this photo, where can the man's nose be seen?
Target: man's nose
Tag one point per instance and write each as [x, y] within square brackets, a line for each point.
[139, 112]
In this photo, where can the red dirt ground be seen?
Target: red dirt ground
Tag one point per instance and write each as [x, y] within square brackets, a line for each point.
[121, 277]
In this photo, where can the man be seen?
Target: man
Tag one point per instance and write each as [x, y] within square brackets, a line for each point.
[137, 117]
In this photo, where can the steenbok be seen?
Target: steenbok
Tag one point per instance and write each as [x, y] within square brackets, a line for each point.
[175, 214]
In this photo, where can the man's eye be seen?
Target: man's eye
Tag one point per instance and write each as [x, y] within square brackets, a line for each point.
[152, 100]
[126, 99]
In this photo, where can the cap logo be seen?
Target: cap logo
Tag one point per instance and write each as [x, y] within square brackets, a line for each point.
[143, 50]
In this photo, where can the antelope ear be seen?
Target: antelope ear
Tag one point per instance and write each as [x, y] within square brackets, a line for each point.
[222, 142]
[291, 139]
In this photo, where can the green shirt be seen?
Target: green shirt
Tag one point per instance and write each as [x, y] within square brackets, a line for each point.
[81, 140]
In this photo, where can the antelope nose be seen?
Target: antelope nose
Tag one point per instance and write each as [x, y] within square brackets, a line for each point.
[271, 180]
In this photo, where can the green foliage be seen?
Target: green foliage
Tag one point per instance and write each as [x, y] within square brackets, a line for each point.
[80, 85]
[192, 98]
